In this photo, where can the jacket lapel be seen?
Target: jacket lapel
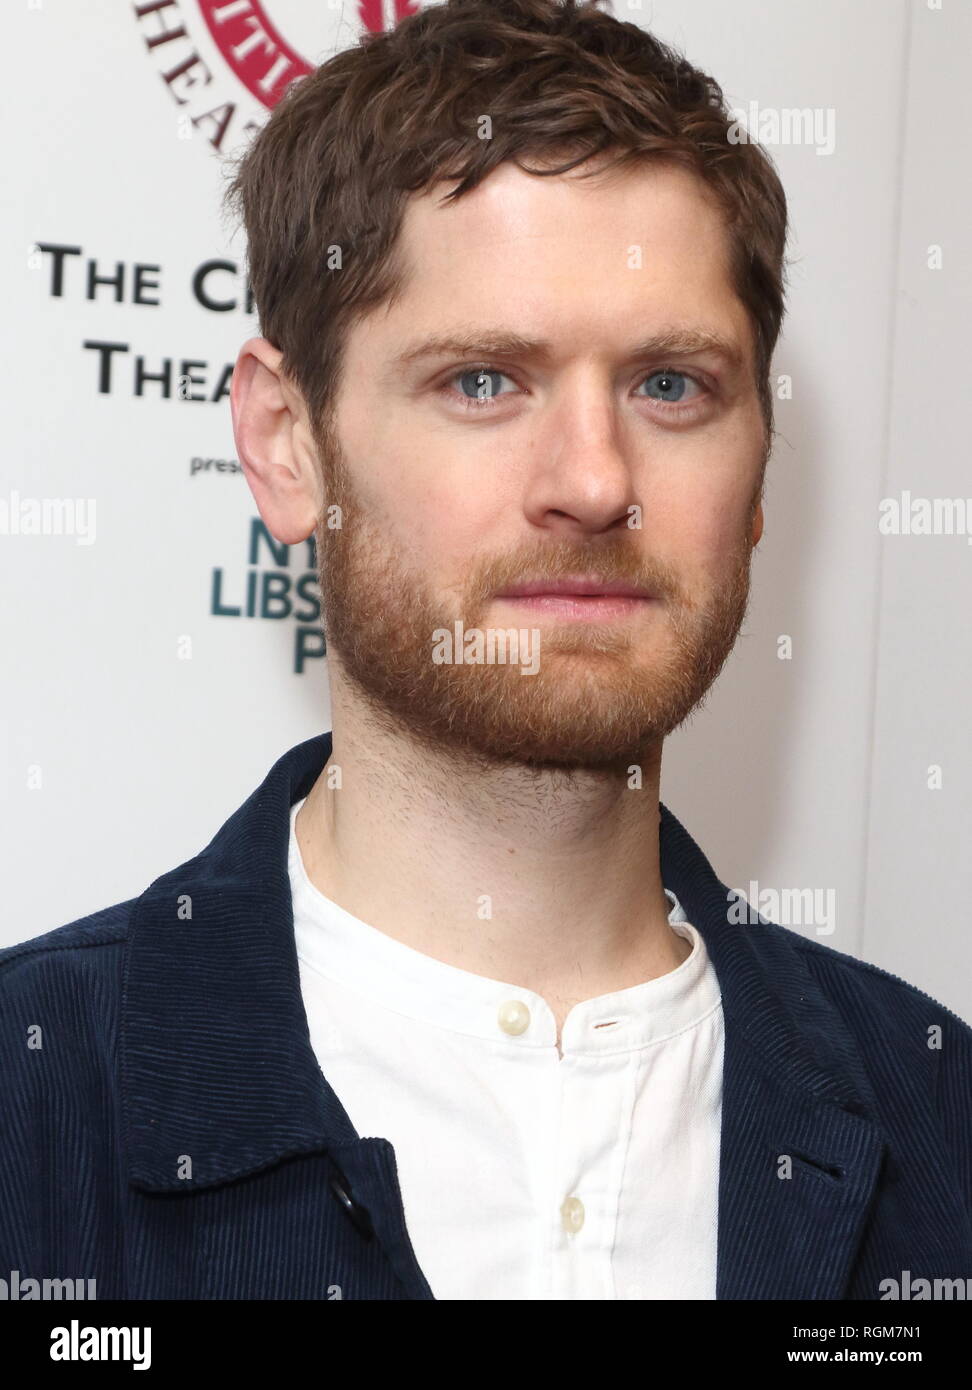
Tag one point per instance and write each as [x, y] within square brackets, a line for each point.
[217, 1058]
[800, 1157]
[797, 1175]
[220, 1080]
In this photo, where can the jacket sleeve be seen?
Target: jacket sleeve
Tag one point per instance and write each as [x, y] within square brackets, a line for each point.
[954, 1100]
[60, 1156]
[19, 1157]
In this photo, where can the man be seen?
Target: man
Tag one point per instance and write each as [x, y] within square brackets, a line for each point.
[453, 1007]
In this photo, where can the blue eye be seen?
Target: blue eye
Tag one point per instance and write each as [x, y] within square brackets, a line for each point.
[482, 383]
[479, 387]
[670, 385]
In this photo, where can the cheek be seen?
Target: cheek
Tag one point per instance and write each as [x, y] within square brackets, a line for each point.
[428, 513]
[708, 494]
[699, 530]
[718, 525]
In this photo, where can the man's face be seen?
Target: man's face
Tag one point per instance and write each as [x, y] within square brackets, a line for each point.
[463, 473]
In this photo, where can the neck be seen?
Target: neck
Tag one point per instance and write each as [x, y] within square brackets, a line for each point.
[544, 880]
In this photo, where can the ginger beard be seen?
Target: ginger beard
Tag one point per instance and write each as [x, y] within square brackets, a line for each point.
[605, 694]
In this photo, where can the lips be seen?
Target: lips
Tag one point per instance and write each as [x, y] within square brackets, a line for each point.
[575, 587]
[578, 598]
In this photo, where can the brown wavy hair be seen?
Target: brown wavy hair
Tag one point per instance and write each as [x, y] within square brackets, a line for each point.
[336, 161]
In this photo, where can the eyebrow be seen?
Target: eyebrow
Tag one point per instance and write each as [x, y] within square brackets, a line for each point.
[674, 341]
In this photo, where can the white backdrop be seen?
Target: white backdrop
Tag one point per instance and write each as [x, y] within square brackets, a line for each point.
[830, 761]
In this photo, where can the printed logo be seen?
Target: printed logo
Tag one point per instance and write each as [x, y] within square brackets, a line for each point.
[226, 63]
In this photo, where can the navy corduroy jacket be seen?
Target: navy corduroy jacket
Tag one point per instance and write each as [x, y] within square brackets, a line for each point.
[165, 1128]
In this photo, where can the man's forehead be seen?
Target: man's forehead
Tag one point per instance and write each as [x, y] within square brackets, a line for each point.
[517, 205]
[644, 248]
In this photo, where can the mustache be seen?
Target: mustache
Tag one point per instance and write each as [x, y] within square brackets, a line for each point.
[608, 563]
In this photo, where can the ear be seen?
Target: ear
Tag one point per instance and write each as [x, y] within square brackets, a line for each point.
[758, 524]
[274, 443]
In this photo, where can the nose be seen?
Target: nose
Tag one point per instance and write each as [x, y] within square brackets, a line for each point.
[580, 477]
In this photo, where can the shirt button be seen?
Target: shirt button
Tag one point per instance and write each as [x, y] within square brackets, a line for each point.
[572, 1214]
[514, 1017]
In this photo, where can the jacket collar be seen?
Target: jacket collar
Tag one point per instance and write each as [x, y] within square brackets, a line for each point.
[217, 1062]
